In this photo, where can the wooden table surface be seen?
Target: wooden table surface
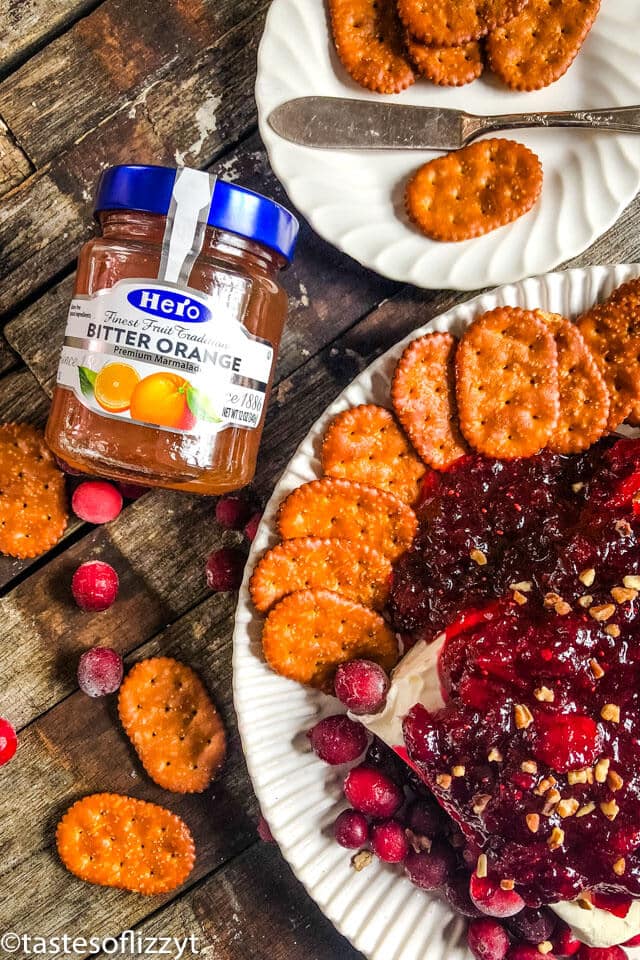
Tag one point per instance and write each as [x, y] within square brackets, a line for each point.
[84, 84]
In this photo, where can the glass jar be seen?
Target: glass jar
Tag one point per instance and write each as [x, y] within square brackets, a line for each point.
[173, 331]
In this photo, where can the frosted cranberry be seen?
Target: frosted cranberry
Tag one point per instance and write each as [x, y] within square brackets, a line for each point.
[389, 842]
[94, 586]
[362, 686]
[601, 953]
[132, 491]
[425, 818]
[533, 926]
[233, 513]
[224, 570]
[264, 831]
[431, 869]
[100, 671]
[565, 742]
[96, 501]
[492, 900]
[338, 739]
[524, 951]
[384, 758]
[564, 942]
[351, 829]
[8, 741]
[487, 939]
[457, 892]
[251, 528]
[372, 792]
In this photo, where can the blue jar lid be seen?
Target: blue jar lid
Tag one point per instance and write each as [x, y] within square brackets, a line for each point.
[233, 208]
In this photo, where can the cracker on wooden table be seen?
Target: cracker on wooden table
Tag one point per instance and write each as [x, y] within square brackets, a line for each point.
[365, 444]
[472, 191]
[446, 66]
[167, 714]
[368, 39]
[538, 46]
[309, 633]
[507, 383]
[584, 398]
[33, 501]
[349, 511]
[450, 23]
[350, 568]
[611, 331]
[117, 841]
[423, 396]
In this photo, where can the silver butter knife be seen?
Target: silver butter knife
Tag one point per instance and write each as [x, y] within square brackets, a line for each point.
[338, 123]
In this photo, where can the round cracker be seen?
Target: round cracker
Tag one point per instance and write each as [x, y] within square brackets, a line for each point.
[446, 66]
[584, 398]
[449, 23]
[423, 396]
[611, 331]
[365, 444]
[309, 633]
[507, 383]
[368, 39]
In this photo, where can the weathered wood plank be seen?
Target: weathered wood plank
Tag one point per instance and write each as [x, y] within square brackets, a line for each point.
[27, 24]
[14, 164]
[252, 908]
[115, 54]
[318, 310]
[44, 221]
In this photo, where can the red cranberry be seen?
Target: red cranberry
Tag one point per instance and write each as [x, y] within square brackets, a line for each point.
[362, 686]
[96, 501]
[566, 741]
[8, 741]
[389, 842]
[224, 570]
[100, 671]
[487, 939]
[338, 739]
[372, 792]
[533, 926]
[382, 757]
[251, 528]
[94, 586]
[351, 829]
[457, 892]
[564, 942]
[491, 899]
[431, 869]
[425, 818]
[601, 953]
[524, 951]
[634, 942]
[264, 831]
[232, 513]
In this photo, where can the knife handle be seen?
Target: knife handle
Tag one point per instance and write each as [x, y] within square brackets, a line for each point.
[618, 119]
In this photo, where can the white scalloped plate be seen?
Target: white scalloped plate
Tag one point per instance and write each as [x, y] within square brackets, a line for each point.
[354, 199]
[378, 910]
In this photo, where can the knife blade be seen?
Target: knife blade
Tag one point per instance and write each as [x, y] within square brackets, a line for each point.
[340, 123]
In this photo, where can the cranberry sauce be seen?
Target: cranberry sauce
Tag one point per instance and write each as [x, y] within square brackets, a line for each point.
[536, 754]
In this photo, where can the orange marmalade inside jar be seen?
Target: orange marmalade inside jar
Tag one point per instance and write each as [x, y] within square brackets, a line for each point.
[173, 331]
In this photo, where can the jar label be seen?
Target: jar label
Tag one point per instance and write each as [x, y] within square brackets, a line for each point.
[164, 354]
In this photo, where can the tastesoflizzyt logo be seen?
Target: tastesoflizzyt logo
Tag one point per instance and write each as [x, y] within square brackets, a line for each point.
[130, 943]
[169, 304]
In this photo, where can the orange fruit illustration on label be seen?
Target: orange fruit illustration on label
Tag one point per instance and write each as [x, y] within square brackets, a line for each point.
[161, 398]
[114, 386]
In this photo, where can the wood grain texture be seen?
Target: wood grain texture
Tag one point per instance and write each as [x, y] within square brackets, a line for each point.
[115, 54]
[14, 164]
[27, 24]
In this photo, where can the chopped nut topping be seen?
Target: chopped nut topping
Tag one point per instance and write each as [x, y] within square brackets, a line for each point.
[458, 771]
[611, 712]
[529, 766]
[577, 776]
[587, 577]
[525, 586]
[601, 770]
[361, 860]
[523, 716]
[519, 597]
[545, 947]
[482, 866]
[612, 629]
[586, 809]
[553, 796]
[602, 611]
[443, 780]
[623, 594]
[550, 599]
[545, 785]
[556, 839]
[544, 694]
[619, 867]
[507, 884]
[418, 842]
[585, 903]
[610, 809]
[562, 608]
[495, 756]
[567, 808]
[533, 822]
[480, 802]
[585, 601]
[577, 487]
[596, 669]
[479, 557]
[614, 781]
[623, 527]
[632, 582]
